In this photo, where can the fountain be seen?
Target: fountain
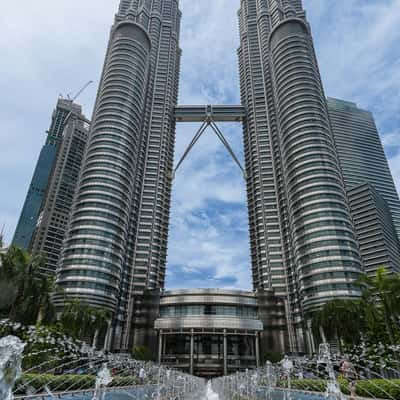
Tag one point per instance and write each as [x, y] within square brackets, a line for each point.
[11, 349]
[287, 366]
[368, 371]
[333, 391]
[103, 379]
[210, 394]
[57, 367]
[270, 378]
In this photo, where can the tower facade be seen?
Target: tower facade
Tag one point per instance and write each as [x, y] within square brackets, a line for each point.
[57, 203]
[302, 239]
[117, 239]
[37, 189]
[361, 155]
[379, 245]
[369, 183]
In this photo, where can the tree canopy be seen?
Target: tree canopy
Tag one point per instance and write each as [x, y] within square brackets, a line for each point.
[374, 318]
[26, 297]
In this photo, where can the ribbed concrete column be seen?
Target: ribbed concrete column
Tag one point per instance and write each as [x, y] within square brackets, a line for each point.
[160, 346]
[191, 353]
[257, 343]
[225, 354]
[310, 338]
[106, 346]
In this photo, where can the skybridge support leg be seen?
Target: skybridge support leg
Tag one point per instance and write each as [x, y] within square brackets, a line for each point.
[191, 144]
[209, 122]
[221, 137]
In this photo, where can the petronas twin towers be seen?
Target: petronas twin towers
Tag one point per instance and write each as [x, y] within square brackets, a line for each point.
[302, 239]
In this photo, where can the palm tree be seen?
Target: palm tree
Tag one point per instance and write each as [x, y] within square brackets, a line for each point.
[83, 321]
[376, 315]
[46, 313]
[340, 319]
[101, 318]
[27, 289]
[73, 317]
[8, 288]
[381, 295]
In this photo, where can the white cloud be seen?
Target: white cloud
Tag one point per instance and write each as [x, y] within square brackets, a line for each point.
[391, 139]
[358, 53]
[209, 39]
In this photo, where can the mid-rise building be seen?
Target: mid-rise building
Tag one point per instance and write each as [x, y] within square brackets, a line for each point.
[37, 189]
[369, 183]
[57, 204]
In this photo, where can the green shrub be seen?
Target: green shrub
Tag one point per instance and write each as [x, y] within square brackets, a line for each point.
[55, 382]
[143, 353]
[379, 388]
[59, 383]
[313, 385]
[124, 381]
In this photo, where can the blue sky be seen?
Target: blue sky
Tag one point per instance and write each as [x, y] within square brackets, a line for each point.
[50, 47]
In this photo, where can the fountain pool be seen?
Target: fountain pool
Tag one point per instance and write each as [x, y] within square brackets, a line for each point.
[136, 393]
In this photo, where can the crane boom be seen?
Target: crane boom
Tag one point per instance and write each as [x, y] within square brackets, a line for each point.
[75, 97]
[82, 90]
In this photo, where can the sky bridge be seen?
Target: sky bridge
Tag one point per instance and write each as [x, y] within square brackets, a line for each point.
[216, 113]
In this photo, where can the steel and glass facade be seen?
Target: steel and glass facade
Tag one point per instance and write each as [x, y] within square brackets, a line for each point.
[37, 189]
[379, 245]
[369, 183]
[361, 154]
[57, 204]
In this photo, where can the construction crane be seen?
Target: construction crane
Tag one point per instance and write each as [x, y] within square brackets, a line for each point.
[72, 100]
[80, 91]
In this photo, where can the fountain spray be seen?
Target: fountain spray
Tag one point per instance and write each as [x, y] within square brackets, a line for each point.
[11, 349]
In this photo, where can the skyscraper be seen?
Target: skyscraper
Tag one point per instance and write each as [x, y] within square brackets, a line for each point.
[117, 239]
[373, 197]
[361, 155]
[56, 207]
[302, 239]
[38, 186]
[379, 245]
